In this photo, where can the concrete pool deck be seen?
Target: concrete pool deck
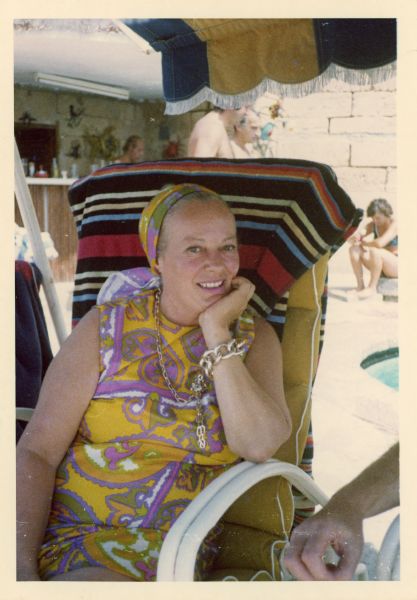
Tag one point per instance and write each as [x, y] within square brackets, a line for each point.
[354, 415]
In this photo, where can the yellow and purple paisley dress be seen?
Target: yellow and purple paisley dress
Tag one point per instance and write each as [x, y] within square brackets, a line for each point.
[135, 463]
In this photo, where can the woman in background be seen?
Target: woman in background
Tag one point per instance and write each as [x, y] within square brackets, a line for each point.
[374, 246]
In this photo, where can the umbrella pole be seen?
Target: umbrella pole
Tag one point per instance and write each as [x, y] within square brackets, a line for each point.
[31, 224]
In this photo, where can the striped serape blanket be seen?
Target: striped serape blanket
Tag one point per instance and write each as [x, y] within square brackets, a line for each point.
[289, 213]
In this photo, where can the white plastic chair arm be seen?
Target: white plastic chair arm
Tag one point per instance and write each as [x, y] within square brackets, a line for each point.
[388, 563]
[23, 414]
[180, 548]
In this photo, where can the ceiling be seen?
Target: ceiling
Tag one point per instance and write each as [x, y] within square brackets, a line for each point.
[91, 49]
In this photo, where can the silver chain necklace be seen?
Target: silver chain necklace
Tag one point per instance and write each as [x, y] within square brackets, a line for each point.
[198, 385]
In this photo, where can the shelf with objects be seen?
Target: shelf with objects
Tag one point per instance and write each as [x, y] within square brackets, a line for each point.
[50, 202]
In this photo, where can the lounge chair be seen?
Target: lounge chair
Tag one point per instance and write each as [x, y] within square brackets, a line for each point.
[291, 216]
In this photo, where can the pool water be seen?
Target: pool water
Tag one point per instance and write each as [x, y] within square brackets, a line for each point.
[383, 366]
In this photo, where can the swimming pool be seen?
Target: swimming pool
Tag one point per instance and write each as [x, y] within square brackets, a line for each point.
[383, 365]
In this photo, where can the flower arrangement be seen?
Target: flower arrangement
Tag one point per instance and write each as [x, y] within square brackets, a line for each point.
[102, 145]
[263, 143]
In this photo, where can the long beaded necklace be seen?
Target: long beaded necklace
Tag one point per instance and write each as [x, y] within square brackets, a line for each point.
[198, 386]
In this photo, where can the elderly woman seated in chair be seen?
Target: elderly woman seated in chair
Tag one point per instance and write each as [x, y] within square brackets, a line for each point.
[151, 397]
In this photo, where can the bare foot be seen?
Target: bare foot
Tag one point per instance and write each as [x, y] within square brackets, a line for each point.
[352, 295]
[367, 293]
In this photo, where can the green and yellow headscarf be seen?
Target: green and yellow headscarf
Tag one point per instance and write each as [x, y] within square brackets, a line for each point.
[154, 213]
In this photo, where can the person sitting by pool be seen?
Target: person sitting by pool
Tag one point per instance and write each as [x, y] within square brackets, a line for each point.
[152, 396]
[374, 246]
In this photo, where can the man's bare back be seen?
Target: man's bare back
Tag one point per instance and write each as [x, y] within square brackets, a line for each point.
[209, 137]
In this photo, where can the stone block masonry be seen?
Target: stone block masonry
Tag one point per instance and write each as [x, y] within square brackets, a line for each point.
[349, 127]
[374, 152]
[363, 125]
[374, 104]
[334, 152]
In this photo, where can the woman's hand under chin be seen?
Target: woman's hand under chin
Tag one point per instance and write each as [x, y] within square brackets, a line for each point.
[217, 318]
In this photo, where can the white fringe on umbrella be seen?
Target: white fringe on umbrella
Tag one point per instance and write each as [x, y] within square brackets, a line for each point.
[295, 90]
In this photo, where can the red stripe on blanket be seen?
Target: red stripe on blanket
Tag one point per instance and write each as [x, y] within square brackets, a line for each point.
[260, 259]
[109, 246]
[274, 274]
[250, 256]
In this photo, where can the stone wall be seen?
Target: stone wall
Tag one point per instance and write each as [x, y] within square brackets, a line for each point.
[351, 128]
[98, 113]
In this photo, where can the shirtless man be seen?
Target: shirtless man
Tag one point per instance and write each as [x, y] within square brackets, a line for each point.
[209, 136]
[245, 132]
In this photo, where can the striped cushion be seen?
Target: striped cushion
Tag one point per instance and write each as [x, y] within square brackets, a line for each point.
[289, 213]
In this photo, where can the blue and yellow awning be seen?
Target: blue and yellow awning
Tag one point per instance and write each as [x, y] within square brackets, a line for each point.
[230, 62]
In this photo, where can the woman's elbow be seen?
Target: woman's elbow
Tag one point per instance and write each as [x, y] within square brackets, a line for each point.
[284, 432]
[284, 426]
[265, 448]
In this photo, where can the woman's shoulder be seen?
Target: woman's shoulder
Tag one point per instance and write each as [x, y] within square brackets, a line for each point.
[244, 328]
[262, 327]
[254, 327]
[266, 344]
[367, 225]
[144, 296]
[126, 313]
[394, 223]
[253, 322]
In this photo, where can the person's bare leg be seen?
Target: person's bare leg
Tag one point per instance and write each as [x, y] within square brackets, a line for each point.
[91, 574]
[373, 261]
[355, 255]
[389, 263]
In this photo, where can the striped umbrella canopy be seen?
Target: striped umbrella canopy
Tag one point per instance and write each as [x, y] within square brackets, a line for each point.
[231, 62]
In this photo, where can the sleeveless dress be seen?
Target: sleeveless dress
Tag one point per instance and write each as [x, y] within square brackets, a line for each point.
[135, 464]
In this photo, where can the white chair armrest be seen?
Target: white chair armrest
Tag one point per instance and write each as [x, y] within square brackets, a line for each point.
[388, 563]
[180, 548]
[23, 414]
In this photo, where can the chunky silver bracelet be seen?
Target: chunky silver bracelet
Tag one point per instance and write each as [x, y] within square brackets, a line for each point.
[212, 357]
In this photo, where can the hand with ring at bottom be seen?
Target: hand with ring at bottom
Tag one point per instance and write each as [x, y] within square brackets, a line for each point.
[308, 557]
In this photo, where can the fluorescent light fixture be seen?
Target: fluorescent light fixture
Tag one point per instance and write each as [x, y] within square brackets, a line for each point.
[81, 85]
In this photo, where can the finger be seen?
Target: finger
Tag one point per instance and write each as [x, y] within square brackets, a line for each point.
[308, 547]
[239, 280]
[250, 292]
[293, 562]
[244, 286]
[314, 556]
[348, 562]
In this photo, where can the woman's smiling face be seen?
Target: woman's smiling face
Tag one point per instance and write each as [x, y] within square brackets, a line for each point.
[198, 258]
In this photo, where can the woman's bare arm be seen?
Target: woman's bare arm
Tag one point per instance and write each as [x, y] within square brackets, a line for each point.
[384, 239]
[67, 388]
[250, 394]
[364, 230]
